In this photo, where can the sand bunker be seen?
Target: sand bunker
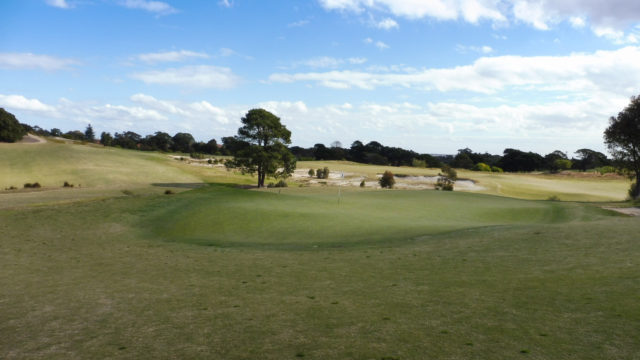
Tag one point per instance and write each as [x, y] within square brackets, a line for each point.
[338, 178]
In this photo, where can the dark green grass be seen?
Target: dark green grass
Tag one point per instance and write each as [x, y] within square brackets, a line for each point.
[115, 278]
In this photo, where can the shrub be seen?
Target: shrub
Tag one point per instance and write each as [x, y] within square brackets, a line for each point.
[481, 167]
[450, 172]
[322, 173]
[11, 188]
[553, 198]
[66, 184]
[281, 184]
[444, 183]
[195, 155]
[311, 173]
[362, 184]
[271, 185]
[562, 164]
[387, 180]
[35, 185]
[168, 192]
[496, 169]
[606, 170]
[418, 163]
[209, 161]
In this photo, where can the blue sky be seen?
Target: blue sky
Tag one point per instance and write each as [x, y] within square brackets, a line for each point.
[430, 75]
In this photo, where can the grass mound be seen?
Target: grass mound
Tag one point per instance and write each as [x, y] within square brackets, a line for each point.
[307, 218]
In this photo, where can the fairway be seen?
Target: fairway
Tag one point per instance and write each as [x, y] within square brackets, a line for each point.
[221, 272]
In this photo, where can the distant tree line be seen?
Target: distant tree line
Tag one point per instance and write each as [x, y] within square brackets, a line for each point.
[511, 160]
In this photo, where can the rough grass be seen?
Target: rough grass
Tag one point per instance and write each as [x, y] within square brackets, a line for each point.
[225, 273]
[110, 278]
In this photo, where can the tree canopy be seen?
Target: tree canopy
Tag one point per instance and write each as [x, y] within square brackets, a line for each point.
[622, 138]
[260, 146]
[10, 128]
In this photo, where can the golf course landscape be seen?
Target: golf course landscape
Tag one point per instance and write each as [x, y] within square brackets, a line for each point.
[156, 255]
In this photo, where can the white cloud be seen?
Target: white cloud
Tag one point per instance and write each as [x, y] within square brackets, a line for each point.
[617, 36]
[298, 23]
[577, 22]
[532, 13]
[357, 60]
[615, 71]
[329, 62]
[171, 56]
[157, 7]
[618, 15]
[202, 76]
[20, 102]
[34, 61]
[380, 45]
[387, 24]
[58, 3]
[479, 49]
[225, 3]
[471, 10]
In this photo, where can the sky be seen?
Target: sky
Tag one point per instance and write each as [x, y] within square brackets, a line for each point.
[433, 76]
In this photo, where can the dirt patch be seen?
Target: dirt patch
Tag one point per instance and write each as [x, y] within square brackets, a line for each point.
[631, 211]
[32, 139]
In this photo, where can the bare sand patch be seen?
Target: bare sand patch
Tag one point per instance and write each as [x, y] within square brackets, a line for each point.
[631, 211]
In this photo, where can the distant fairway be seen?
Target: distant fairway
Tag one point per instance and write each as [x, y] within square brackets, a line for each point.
[221, 272]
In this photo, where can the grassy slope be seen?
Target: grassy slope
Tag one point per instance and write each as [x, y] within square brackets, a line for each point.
[121, 277]
[525, 186]
[227, 273]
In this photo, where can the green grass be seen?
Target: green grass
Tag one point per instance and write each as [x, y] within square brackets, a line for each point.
[220, 272]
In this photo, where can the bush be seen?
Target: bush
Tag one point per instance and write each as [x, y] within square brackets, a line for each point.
[387, 180]
[10, 129]
[444, 183]
[11, 188]
[450, 172]
[271, 185]
[322, 173]
[209, 161]
[281, 184]
[562, 164]
[311, 173]
[362, 184]
[496, 169]
[418, 163]
[35, 185]
[67, 184]
[168, 192]
[481, 167]
[606, 170]
[195, 155]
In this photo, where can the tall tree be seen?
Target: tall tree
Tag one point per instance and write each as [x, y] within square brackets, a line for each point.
[260, 147]
[622, 138]
[89, 135]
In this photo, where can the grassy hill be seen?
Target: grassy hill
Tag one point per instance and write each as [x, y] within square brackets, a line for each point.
[304, 272]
